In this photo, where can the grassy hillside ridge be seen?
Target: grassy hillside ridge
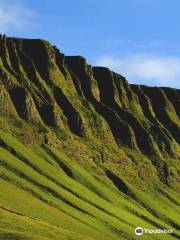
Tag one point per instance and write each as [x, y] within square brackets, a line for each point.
[83, 154]
[83, 199]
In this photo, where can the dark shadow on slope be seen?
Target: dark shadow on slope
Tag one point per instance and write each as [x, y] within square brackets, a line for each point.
[107, 87]
[123, 188]
[159, 103]
[73, 117]
[30, 70]
[66, 169]
[117, 182]
[14, 59]
[4, 56]
[18, 96]
[39, 52]
[152, 222]
[143, 100]
[162, 136]
[27, 65]
[143, 139]
[168, 196]
[47, 114]
[12, 236]
[121, 131]
[59, 57]
[173, 96]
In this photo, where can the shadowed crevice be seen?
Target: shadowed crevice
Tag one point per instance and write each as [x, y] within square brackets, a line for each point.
[107, 95]
[121, 131]
[14, 58]
[173, 96]
[18, 97]
[118, 182]
[47, 114]
[73, 117]
[162, 110]
[40, 52]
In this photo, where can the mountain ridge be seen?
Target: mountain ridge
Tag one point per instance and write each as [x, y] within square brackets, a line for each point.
[125, 136]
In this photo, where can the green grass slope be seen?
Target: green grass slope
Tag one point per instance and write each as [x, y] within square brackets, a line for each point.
[46, 195]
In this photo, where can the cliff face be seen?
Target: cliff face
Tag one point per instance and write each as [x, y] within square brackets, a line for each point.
[110, 127]
[41, 85]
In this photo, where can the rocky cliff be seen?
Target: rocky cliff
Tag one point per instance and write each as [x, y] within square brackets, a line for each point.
[124, 135]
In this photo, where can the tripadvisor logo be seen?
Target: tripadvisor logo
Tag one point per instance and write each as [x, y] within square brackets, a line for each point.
[140, 231]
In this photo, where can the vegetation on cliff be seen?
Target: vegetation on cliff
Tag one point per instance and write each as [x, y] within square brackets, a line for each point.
[83, 153]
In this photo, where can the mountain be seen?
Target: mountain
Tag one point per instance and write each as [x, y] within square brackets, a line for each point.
[83, 153]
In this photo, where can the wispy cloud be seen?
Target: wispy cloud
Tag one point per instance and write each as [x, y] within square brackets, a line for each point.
[145, 68]
[14, 14]
[135, 44]
[116, 41]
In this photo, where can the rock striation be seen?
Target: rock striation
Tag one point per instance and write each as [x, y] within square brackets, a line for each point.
[65, 96]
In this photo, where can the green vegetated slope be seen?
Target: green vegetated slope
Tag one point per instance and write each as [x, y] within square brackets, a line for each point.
[83, 154]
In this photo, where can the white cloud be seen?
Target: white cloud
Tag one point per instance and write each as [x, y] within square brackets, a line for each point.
[145, 68]
[14, 15]
[135, 44]
[116, 41]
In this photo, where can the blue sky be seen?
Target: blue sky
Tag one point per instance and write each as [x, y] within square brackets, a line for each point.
[138, 38]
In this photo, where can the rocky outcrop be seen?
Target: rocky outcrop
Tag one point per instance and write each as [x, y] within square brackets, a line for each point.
[71, 98]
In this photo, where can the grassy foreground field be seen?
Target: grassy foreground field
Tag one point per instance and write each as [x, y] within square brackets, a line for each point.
[45, 195]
